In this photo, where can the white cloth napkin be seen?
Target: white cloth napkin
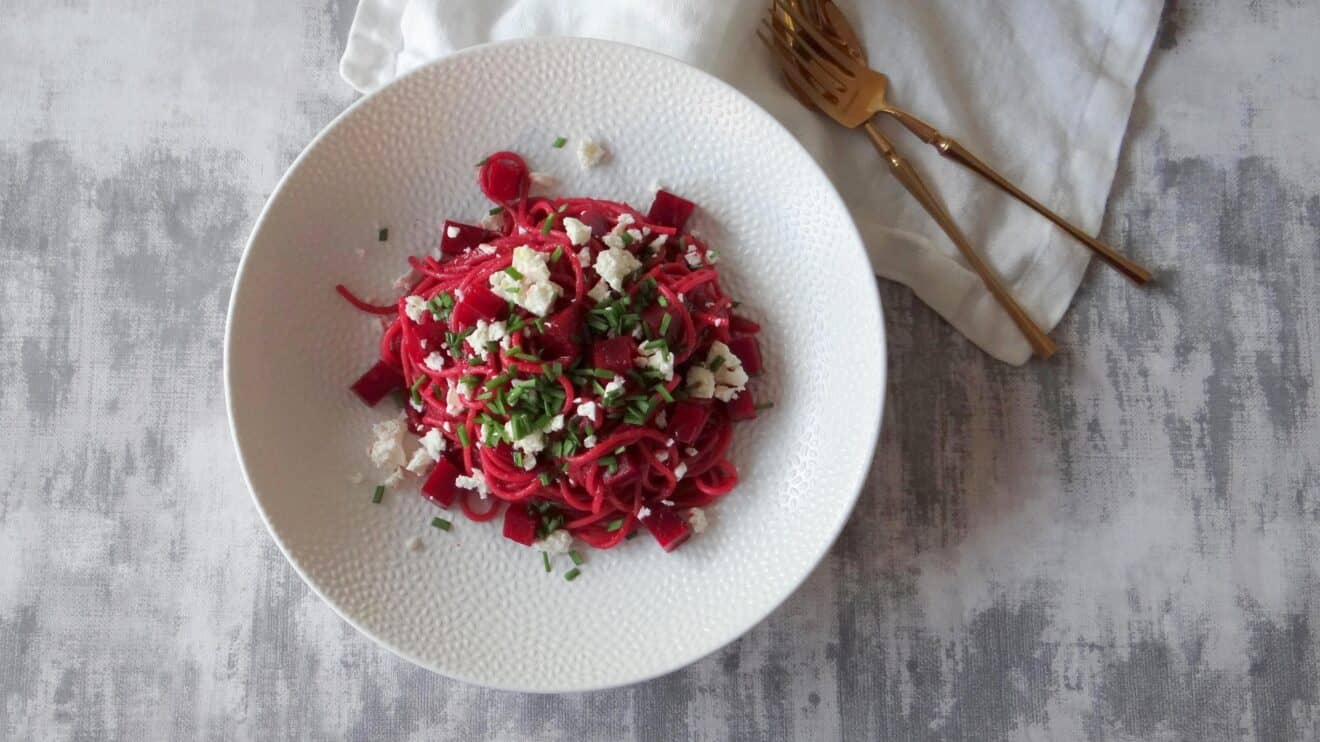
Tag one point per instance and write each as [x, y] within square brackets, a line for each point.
[1039, 89]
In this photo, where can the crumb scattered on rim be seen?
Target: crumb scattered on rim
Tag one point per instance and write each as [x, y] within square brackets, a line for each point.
[590, 154]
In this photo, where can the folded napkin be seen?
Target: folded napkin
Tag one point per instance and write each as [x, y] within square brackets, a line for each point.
[1040, 89]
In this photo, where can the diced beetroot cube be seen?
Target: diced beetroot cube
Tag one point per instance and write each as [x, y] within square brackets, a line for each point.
[562, 330]
[741, 407]
[520, 525]
[599, 223]
[465, 238]
[670, 210]
[740, 325]
[748, 351]
[439, 486]
[378, 381]
[615, 354]
[504, 177]
[477, 303]
[668, 527]
[687, 420]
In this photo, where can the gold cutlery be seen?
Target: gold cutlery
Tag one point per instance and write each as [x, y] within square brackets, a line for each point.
[829, 32]
[824, 86]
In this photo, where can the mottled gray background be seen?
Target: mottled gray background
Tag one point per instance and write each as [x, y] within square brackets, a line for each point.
[1118, 544]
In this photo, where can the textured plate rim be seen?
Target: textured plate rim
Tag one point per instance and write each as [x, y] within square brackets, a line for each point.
[874, 319]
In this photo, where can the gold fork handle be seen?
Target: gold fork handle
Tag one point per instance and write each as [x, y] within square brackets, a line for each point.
[1040, 342]
[953, 150]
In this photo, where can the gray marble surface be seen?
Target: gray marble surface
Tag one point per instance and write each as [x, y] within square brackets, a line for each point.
[1118, 544]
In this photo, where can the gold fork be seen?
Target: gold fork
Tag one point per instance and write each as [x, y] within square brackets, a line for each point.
[801, 68]
[859, 91]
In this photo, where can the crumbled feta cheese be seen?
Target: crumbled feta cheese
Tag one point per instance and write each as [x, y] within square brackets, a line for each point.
[485, 332]
[730, 378]
[394, 478]
[542, 180]
[420, 462]
[615, 385]
[667, 503]
[712, 256]
[415, 308]
[662, 457]
[403, 282]
[556, 424]
[614, 265]
[625, 220]
[660, 359]
[696, 517]
[613, 241]
[493, 222]
[578, 232]
[590, 154]
[659, 241]
[559, 542]
[589, 442]
[415, 544]
[680, 471]
[584, 256]
[433, 443]
[529, 462]
[691, 451]
[600, 292]
[476, 483]
[643, 512]
[485, 249]
[453, 400]
[700, 382]
[635, 234]
[452, 232]
[435, 361]
[422, 342]
[531, 263]
[662, 419]
[386, 449]
[533, 442]
[693, 257]
[587, 409]
[539, 297]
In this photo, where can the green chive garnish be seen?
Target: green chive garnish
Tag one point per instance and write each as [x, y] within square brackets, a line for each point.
[765, 405]
[496, 210]
[716, 363]
[557, 254]
[572, 574]
[664, 393]
[576, 557]
[601, 373]
[664, 323]
[461, 432]
[544, 477]
[379, 494]
[417, 390]
[518, 459]
[441, 523]
[614, 525]
[662, 301]
[560, 142]
[514, 273]
[547, 224]
[540, 325]
[545, 557]
[384, 234]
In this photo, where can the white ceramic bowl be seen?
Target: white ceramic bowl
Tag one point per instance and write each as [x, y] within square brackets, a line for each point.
[471, 604]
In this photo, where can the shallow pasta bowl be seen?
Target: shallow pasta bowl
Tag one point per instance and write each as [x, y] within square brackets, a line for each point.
[470, 604]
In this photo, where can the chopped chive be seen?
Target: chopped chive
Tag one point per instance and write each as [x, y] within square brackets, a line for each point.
[664, 393]
[496, 210]
[514, 273]
[654, 344]
[462, 433]
[576, 557]
[601, 373]
[572, 574]
[548, 223]
[545, 557]
[664, 323]
[560, 142]
[518, 459]
[544, 477]
[614, 525]
[716, 363]
[662, 301]
[417, 390]
[441, 523]
[627, 239]
[540, 325]
[765, 405]
[379, 494]
[557, 254]
[483, 162]
[384, 234]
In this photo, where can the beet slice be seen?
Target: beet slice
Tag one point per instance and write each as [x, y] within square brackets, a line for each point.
[440, 486]
[615, 354]
[378, 381]
[740, 325]
[520, 525]
[687, 420]
[669, 210]
[465, 237]
[562, 330]
[741, 407]
[477, 303]
[668, 528]
[748, 351]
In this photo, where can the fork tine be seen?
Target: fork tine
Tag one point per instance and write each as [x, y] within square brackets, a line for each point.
[804, 84]
[819, 72]
[817, 41]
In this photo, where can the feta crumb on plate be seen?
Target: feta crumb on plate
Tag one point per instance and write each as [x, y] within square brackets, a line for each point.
[590, 154]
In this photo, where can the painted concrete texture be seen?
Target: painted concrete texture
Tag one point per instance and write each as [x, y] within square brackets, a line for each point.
[1115, 545]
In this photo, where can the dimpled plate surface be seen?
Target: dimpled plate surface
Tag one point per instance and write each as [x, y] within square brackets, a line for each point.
[471, 604]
